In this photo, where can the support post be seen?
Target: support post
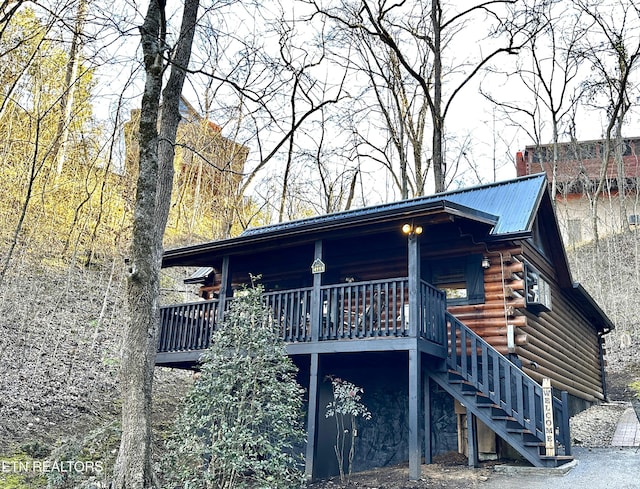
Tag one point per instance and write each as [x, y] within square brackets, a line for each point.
[413, 266]
[316, 313]
[428, 457]
[225, 287]
[414, 414]
[472, 439]
[311, 417]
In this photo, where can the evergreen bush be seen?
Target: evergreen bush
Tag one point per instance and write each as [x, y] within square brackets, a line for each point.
[242, 421]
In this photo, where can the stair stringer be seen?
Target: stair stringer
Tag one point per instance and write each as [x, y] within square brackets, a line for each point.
[511, 400]
[515, 439]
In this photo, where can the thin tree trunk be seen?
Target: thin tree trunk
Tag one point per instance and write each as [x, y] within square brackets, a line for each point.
[69, 88]
[439, 170]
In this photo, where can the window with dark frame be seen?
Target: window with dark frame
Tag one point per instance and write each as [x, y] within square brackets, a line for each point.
[460, 278]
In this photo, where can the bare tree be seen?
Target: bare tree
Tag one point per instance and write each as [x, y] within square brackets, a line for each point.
[266, 94]
[70, 84]
[419, 34]
[133, 467]
[612, 51]
[548, 70]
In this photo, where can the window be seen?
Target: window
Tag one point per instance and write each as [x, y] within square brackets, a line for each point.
[461, 278]
[538, 290]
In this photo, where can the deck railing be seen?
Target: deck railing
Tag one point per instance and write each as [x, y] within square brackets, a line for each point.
[188, 326]
[292, 312]
[495, 376]
[378, 308]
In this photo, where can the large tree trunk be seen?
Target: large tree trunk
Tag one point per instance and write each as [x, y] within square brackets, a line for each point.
[133, 467]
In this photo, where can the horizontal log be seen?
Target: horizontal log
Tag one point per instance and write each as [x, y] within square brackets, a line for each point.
[551, 330]
[519, 321]
[500, 332]
[499, 296]
[584, 364]
[555, 343]
[516, 285]
[577, 323]
[495, 342]
[547, 367]
[586, 372]
[558, 381]
[495, 272]
[487, 306]
[488, 314]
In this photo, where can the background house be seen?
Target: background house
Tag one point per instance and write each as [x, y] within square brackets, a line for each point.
[208, 170]
[578, 171]
[449, 310]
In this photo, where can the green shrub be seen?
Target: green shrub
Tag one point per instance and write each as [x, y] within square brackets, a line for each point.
[242, 424]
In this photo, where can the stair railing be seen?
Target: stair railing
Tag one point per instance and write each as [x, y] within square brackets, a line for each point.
[501, 381]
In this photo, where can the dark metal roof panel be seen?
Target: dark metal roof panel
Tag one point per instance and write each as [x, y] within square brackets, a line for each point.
[199, 276]
[512, 204]
[515, 202]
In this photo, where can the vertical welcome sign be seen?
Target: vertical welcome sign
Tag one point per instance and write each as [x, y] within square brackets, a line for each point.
[547, 407]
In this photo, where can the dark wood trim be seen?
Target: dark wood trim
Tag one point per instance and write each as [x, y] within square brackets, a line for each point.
[366, 345]
[315, 298]
[170, 359]
[413, 244]
[225, 287]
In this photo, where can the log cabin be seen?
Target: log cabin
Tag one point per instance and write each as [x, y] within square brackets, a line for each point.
[451, 311]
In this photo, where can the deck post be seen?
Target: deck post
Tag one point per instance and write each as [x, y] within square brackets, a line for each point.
[316, 305]
[413, 266]
[427, 419]
[225, 288]
[311, 417]
[472, 439]
[414, 414]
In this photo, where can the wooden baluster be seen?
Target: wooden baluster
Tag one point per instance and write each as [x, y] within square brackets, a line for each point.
[497, 391]
[519, 379]
[507, 387]
[485, 369]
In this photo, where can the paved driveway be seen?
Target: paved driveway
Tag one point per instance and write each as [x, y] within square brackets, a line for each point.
[596, 468]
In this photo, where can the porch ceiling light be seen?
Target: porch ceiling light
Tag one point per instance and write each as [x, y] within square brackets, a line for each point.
[411, 229]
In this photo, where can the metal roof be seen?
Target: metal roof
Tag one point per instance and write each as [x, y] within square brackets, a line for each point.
[511, 205]
[199, 276]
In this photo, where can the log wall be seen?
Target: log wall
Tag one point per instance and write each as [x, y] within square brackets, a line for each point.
[560, 344]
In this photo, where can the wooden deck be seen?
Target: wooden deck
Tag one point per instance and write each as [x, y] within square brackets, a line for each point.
[360, 316]
[392, 315]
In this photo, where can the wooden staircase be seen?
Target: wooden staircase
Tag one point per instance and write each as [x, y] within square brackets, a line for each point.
[502, 396]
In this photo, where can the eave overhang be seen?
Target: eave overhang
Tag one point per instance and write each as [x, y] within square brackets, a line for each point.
[591, 309]
[362, 221]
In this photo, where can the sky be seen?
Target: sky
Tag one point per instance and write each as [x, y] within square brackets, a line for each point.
[491, 144]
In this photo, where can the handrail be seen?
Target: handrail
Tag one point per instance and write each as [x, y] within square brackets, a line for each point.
[500, 380]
